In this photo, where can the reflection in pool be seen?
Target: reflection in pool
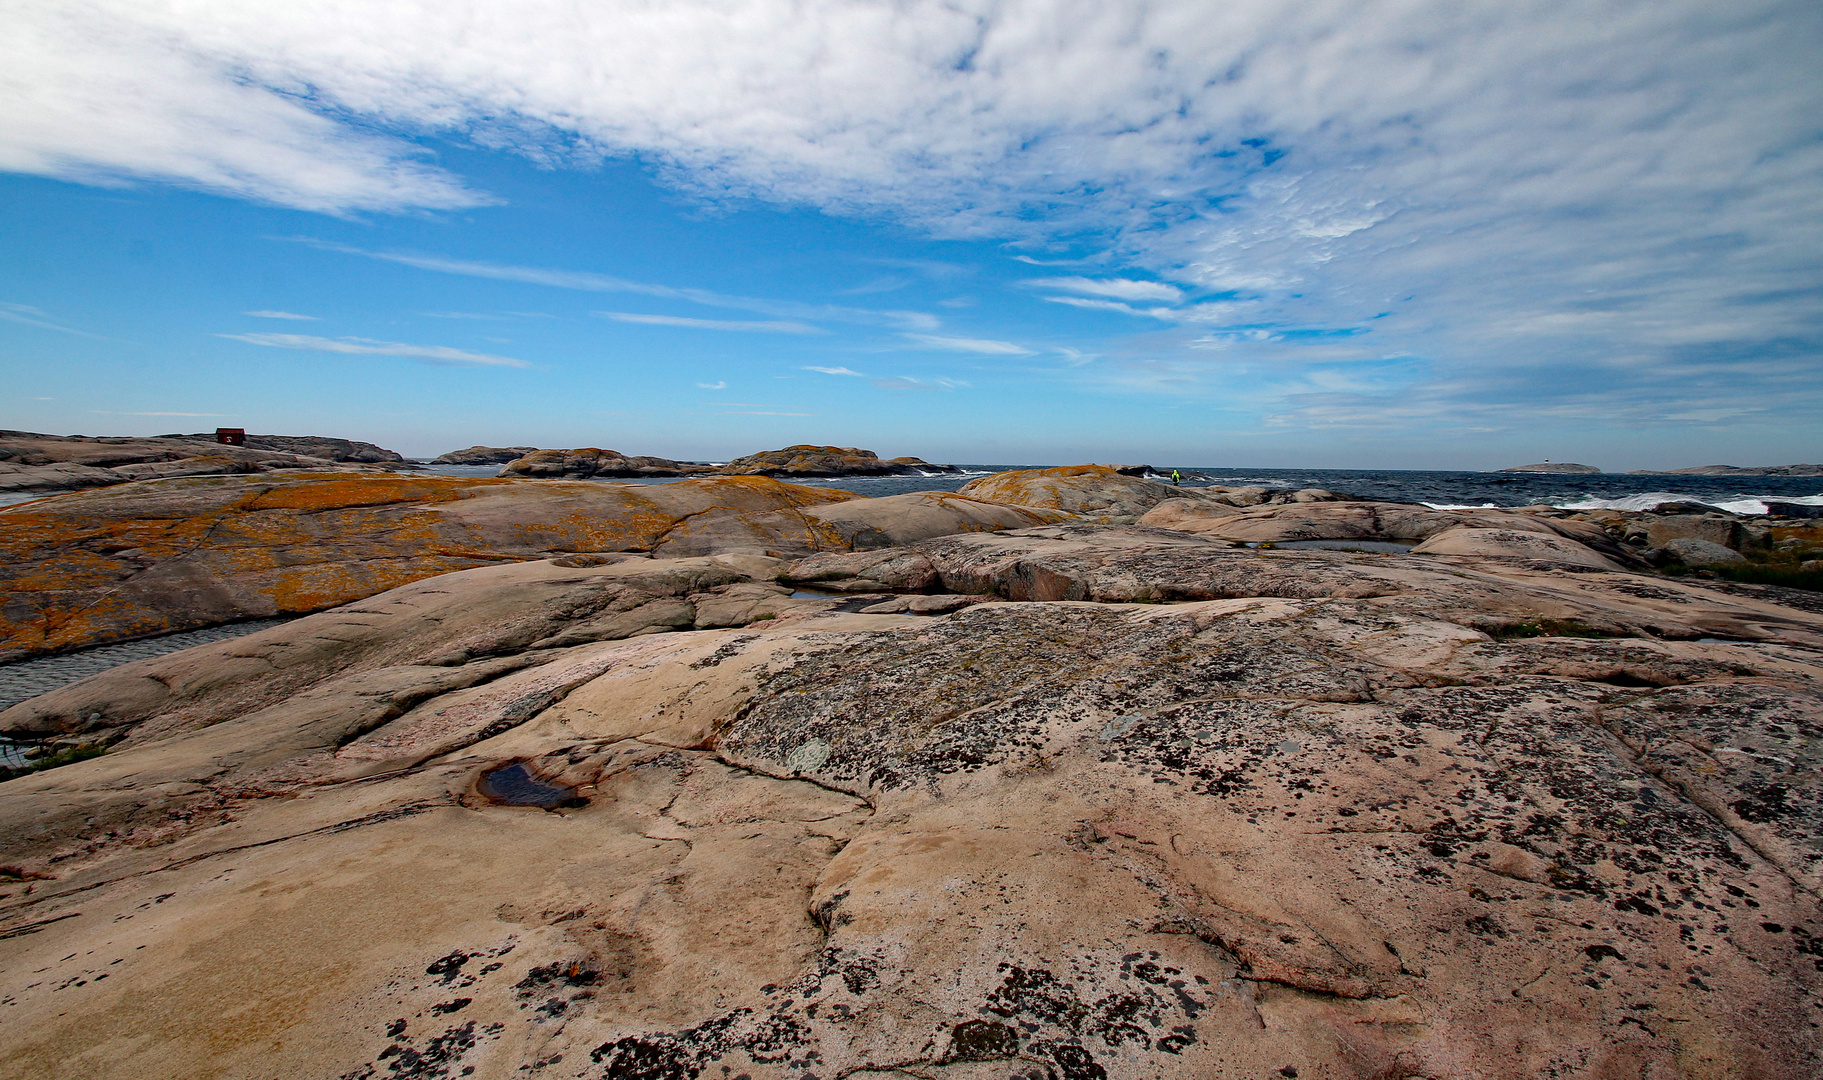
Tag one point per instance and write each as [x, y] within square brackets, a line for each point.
[514, 785]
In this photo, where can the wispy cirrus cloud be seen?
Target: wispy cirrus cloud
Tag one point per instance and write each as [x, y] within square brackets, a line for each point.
[906, 382]
[31, 316]
[282, 315]
[770, 327]
[356, 346]
[718, 385]
[1113, 288]
[982, 346]
[834, 371]
[589, 281]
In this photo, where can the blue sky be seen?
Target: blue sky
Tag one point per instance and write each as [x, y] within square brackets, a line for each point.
[1399, 235]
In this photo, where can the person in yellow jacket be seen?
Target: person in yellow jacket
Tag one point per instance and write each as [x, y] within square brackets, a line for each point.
[1177, 478]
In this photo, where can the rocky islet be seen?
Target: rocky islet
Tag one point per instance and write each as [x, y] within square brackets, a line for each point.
[1106, 783]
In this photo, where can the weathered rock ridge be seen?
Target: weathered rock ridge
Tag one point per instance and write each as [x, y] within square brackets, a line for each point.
[827, 461]
[129, 561]
[33, 462]
[484, 455]
[1130, 802]
[589, 461]
[1118, 495]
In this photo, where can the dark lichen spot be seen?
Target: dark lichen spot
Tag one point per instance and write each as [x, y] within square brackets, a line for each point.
[983, 1040]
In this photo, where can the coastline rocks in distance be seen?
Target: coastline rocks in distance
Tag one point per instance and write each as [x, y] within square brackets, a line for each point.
[585, 462]
[1735, 470]
[484, 455]
[32, 461]
[315, 446]
[807, 460]
[1553, 467]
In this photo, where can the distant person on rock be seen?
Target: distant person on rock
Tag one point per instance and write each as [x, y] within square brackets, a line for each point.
[1177, 478]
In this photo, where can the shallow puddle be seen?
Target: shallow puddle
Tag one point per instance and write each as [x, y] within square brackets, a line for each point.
[514, 785]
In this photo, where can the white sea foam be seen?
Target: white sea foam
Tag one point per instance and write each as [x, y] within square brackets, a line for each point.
[1651, 500]
[1461, 506]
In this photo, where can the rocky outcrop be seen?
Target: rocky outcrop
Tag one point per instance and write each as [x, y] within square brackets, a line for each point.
[315, 446]
[1151, 805]
[589, 461]
[34, 462]
[919, 465]
[1483, 533]
[1702, 553]
[170, 555]
[808, 460]
[1735, 470]
[484, 455]
[1552, 467]
[1118, 495]
[152, 558]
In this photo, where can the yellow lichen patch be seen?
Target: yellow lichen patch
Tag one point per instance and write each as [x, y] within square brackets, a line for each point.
[163, 555]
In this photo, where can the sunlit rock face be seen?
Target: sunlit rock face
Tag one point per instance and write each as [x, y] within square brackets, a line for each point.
[1122, 802]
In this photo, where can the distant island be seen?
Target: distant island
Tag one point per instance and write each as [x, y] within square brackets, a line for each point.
[1735, 470]
[1553, 467]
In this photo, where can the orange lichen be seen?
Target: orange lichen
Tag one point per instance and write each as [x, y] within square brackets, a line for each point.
[148, 557]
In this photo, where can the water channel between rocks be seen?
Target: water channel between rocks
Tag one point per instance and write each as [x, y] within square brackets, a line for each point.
[26, 679]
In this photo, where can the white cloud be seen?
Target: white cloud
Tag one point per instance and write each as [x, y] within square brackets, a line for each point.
[984, 346]
[430, 354]
[281, 315]
[710, 324]
[1625, 185]
[835, 371]
[720, 385]
[1116, 288]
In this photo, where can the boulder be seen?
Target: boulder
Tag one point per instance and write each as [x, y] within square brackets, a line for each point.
[1094, 490]
[1703, 553]
[1724, 529]
[1539, 547]
[1269, 833]
[897, 520]
[1552, 467]
[806, 460]
[484, 455]
[589, 461]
